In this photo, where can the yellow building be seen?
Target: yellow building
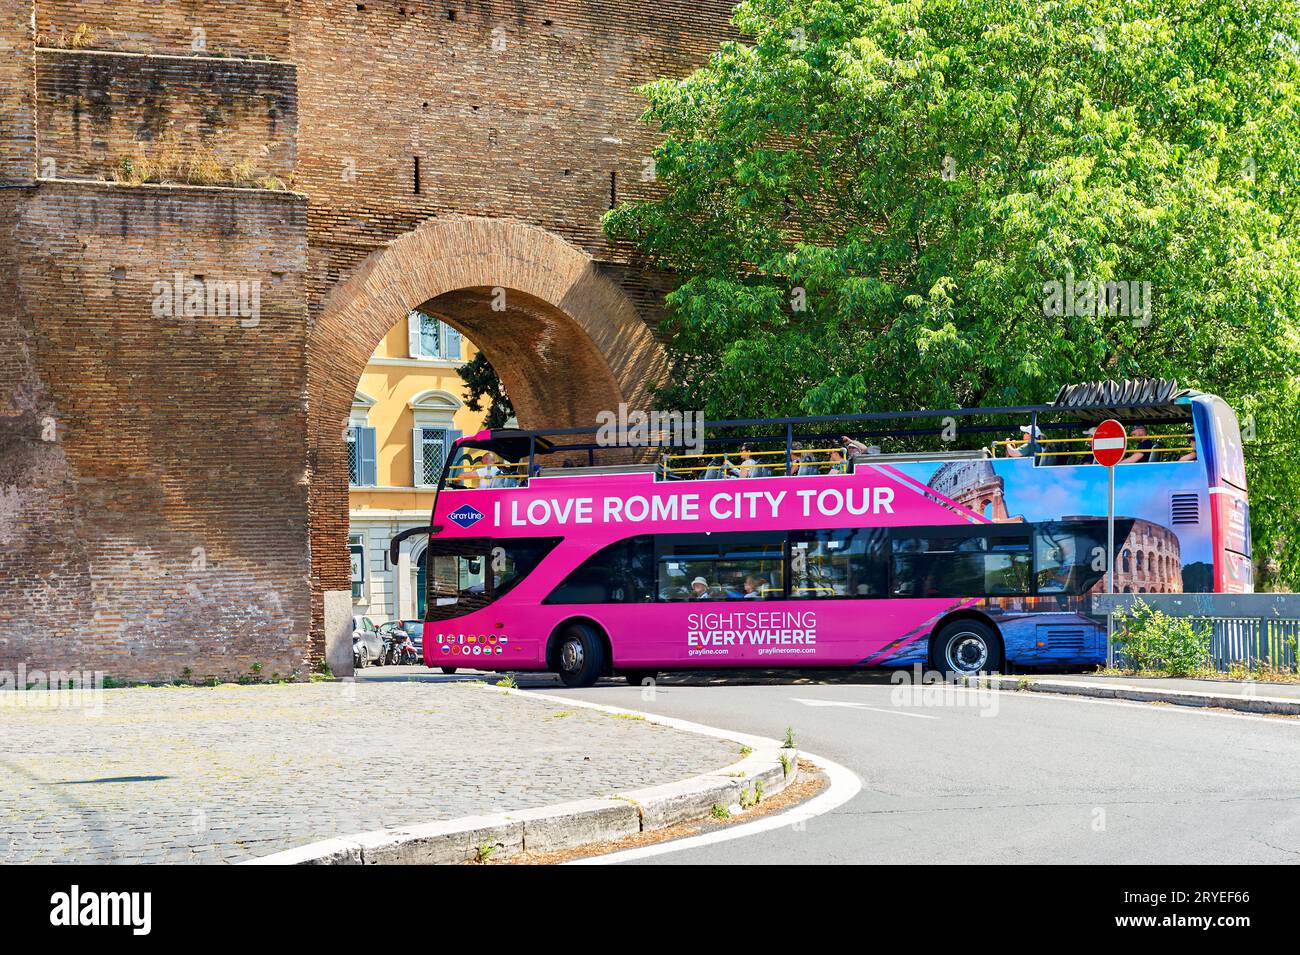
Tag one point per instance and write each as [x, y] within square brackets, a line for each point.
[409, 407]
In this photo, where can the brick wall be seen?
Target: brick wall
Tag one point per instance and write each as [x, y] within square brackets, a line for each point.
[98, 109]
[154, 496]
[165, 524]
[518, 110]
[526, 112]
[17, 107]
[245, 28]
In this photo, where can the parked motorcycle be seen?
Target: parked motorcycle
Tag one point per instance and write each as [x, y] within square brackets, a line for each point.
[398, 649]
[410, 655]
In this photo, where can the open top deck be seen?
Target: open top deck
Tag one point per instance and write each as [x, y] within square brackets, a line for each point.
[675, 448]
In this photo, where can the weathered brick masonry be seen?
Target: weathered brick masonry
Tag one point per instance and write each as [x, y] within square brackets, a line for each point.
[98, 110]
[155, 485]
[189, 508]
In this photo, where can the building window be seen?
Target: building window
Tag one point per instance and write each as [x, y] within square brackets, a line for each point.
[357, 553]
[361, 443]
[427, 337]
[361, 456]
[433, 436]
[431, 452]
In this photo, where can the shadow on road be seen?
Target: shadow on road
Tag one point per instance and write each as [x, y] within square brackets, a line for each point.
[529, 680]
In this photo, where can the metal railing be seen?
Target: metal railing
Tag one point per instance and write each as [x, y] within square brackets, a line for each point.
[761, 463]
[1245, 630]
[1162, 446]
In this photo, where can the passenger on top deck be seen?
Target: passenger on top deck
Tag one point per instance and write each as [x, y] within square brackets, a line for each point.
[747, 464]
[854, 447]
[1144, 447]
[1031, 434]
[804, 462]
[487, 469]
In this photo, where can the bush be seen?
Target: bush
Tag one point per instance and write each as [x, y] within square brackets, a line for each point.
[1150, 640]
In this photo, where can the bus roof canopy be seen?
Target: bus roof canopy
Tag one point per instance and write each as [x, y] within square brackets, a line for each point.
[1154, 397]
[511, 444]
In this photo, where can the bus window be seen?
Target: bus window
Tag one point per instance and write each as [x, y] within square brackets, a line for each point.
[459, 471]
[462, 579]
[1070, 557]
[839, 563]
[936, 564]
[514, 559]
[623, 572]
[721, 566]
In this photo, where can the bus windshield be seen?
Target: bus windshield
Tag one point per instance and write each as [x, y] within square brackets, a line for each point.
[471, 573]
[492, 459]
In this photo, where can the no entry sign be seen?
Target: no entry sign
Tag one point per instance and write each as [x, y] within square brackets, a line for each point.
[1109, 442]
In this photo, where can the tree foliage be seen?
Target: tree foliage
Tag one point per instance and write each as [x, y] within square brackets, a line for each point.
[867, 202]
[482, 385]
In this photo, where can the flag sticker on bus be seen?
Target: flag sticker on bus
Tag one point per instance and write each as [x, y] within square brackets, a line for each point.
[467, 515]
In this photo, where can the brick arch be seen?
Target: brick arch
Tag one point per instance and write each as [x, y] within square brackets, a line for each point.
[568, 344]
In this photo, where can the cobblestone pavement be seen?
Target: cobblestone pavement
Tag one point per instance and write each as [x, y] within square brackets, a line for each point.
[231, 772]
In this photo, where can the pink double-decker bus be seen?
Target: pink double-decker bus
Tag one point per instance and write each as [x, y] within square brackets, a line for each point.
[960, 539]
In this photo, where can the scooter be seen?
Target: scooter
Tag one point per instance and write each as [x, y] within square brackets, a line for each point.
[409, 655]
[398, 649]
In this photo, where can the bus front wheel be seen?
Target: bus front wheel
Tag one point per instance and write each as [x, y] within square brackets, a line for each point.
[966, 647]
[580, 655]
[449, 670]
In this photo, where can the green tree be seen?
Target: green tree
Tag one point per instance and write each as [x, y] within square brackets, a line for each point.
[870, 204]
[482, 385]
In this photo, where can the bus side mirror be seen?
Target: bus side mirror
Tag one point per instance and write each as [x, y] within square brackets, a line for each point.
[395, 544]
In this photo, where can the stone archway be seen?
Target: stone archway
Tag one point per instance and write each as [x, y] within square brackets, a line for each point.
[565, 339]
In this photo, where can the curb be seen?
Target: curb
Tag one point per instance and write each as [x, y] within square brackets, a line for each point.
[566, 825]
[1270, 705]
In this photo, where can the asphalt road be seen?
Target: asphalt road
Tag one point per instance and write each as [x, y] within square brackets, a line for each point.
[1006, 778]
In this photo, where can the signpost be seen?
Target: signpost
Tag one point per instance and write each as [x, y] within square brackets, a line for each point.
[1109, 443]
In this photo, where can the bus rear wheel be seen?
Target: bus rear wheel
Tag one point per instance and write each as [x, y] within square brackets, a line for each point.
[580, 655]
[966, 647]
[449, 670]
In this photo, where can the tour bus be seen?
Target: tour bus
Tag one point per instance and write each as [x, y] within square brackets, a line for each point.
[965, 540]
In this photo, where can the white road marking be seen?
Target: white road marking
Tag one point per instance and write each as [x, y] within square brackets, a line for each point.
[863, 706]
[844, 785]
[1129, 704]
[1154, 707]
[749, 739]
